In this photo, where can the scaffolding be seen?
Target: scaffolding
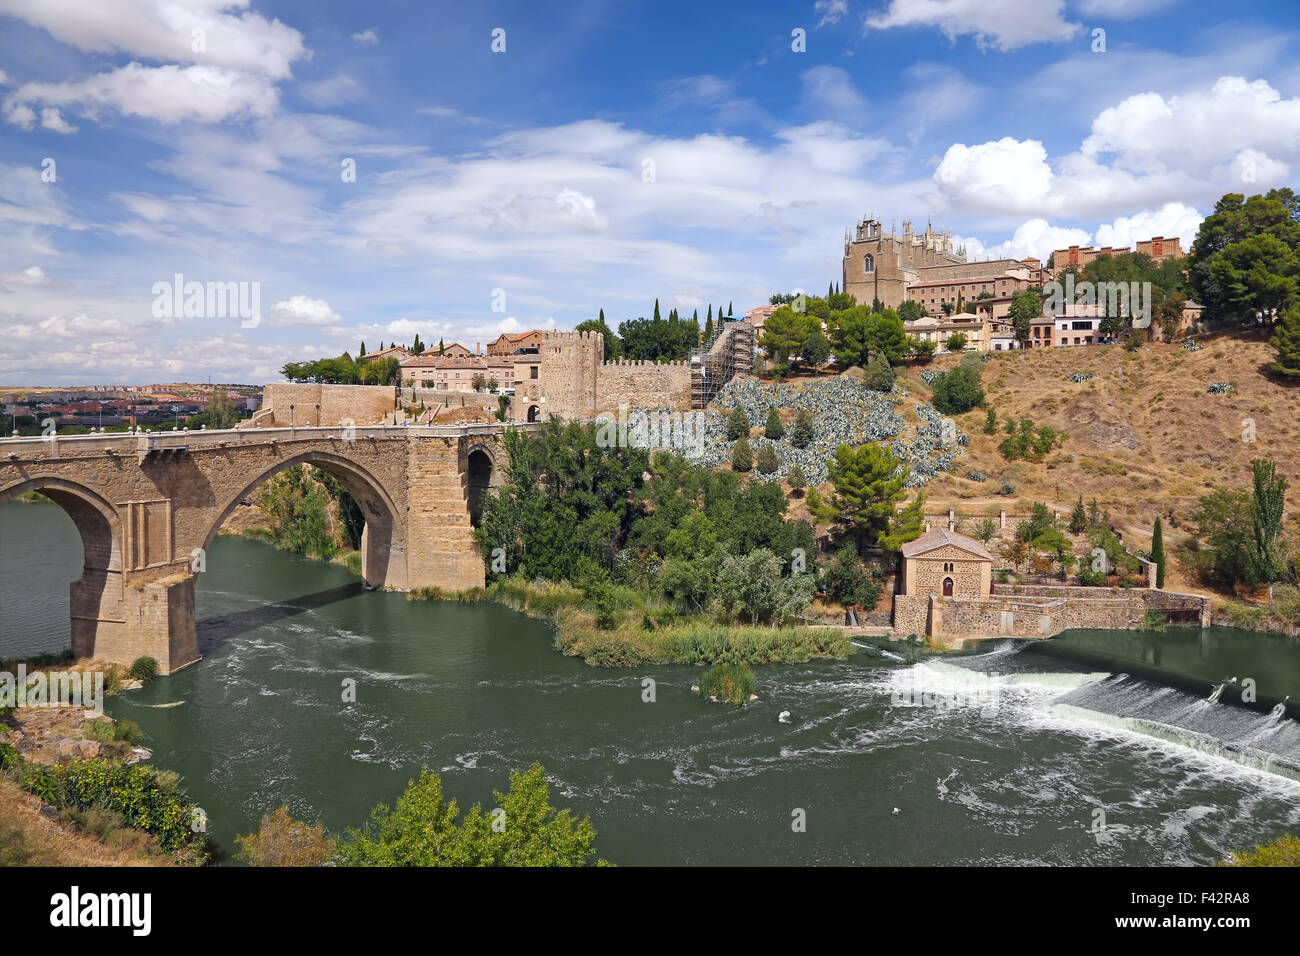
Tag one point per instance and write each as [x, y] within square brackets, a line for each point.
[731, 350]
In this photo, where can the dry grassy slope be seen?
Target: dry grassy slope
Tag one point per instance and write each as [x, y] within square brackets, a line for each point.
[1145, 436]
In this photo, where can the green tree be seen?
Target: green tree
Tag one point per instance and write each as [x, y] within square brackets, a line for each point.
[1025, 307]
[753, 587]
[1079, 518]
[878, 376]
[422, 830]
[766, 461]
[990, 422]
[957, 391]
[801, 435]
[1157, 551]
[281, 840]
[907, 525]
[923, 349]
[956, 342]
[910, 310]
[1257, 274]
[737, 424]
[784, 333]
[1286, 339]
[742, 456]
[797, 480]
[868, 484]
[816, 348]
[1266, 520]
[847, 582]
[1236, 219]
[774, 429]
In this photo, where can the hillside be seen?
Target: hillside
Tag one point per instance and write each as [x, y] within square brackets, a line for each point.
[1144, 435]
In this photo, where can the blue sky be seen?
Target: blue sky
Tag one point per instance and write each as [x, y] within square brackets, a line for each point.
[613, 153]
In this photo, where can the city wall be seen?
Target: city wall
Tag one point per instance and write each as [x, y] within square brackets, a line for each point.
[302, 405]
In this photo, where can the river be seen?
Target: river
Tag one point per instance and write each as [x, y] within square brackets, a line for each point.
[1037, 760]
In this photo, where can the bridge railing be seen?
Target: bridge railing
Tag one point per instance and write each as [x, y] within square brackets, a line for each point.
[142, 442]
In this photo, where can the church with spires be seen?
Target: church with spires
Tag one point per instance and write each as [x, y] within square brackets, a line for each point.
[881, 265]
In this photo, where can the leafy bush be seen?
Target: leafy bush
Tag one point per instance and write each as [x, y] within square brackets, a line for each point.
[958, 391]
[143, 669]
[1284, 851]
[147, 798]
[281, 840]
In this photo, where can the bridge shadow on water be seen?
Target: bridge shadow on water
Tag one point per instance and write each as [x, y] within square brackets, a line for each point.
[212, 632]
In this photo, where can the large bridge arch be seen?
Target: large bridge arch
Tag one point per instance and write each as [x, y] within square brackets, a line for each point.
[383, 541]
[95, 598]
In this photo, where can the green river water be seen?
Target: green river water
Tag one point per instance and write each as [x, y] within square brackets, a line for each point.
[1012, 773]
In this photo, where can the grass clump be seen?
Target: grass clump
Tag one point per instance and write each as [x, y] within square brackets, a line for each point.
[730, 683]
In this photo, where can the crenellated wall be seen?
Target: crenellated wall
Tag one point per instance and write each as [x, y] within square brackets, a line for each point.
[643, 385]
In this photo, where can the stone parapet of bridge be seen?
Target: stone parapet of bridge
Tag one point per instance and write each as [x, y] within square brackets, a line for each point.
[148, 504]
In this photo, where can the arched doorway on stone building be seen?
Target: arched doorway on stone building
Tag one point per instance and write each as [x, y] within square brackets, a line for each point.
[534, 413]
[947, 587]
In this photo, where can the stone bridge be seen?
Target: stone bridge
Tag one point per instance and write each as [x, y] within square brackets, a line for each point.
[148, 505]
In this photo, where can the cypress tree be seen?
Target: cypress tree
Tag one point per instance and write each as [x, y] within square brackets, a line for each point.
[1157, 550]
[1286, 339]
[656, 309]
[774, 429]
[730, 311]
[602, 316]
[363, 350]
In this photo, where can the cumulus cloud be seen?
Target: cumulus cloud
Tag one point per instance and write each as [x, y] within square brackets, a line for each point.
[1236, 136]
[215, 65]
[1038, 237]
[367, 37]
[1004, 24]
[304, 310]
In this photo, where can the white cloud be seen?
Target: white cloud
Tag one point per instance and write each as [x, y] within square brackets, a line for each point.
[1237, 136]
[1005, 24]
[303, 310]
[1170, 220]
[170, 94]
[164, 30]
[52, 119]
[832, 11]
[32, 275]
[367, 37]
[215, 65]
[1039, 238]
[828, 92]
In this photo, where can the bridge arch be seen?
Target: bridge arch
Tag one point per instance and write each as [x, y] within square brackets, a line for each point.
[96, 596]
[381, 541]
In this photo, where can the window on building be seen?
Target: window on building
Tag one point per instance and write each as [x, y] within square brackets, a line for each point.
[869, 263]
[533, 372]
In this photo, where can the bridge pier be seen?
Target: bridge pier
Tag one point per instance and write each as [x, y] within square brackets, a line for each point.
[148, 506]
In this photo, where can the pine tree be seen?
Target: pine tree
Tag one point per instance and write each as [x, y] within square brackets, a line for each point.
[801, 435]
[907, 525]
[766, 460]
[1157, 550]
[1079, 518]
[796, 480]
[1286, 339]
[991, 422]
[774, 429]
[868, 482]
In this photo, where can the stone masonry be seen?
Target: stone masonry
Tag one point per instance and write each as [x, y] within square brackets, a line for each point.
[147, 507]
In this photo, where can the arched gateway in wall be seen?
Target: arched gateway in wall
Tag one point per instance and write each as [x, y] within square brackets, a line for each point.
[148, 506]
